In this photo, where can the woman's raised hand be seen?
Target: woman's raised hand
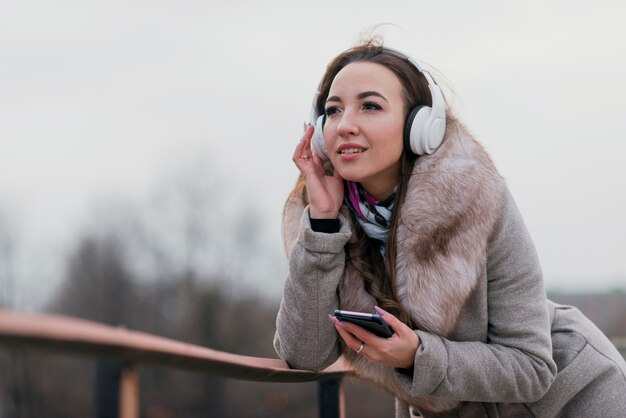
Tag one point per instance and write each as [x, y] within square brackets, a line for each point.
[325, 191]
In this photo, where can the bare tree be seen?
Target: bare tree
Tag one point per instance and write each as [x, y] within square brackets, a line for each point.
[187, 264]
[15, 396]
[7, 263]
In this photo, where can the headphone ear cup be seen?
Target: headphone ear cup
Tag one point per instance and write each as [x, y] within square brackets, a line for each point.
[434, 134]
[317, 141]
[423, 130]
[414, 130]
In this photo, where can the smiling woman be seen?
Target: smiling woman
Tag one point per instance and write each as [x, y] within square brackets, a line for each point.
[399, 209]
[363, 132]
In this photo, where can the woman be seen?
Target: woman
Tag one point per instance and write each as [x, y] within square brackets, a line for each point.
[400, 209]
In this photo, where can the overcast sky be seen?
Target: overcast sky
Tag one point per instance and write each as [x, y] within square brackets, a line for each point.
[104, 98]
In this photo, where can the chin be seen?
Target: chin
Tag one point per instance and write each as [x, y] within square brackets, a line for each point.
[346, 174]
[350, 177]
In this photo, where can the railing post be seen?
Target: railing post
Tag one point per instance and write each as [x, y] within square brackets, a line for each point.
[330, 400]
[129, 392]
[107, 389]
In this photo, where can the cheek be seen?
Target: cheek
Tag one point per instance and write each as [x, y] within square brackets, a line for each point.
[394, 153]
[400, 135]
[392, 143]
[329, 138]
[329, 127]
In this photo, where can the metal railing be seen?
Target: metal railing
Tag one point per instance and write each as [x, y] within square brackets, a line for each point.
[76, 336]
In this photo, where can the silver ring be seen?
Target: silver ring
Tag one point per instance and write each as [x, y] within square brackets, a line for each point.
[360, 349]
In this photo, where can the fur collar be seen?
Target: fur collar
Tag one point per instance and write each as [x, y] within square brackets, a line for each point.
[451, 206]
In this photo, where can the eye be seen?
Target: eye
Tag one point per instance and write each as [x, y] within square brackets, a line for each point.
[331, 110]
[371, 106]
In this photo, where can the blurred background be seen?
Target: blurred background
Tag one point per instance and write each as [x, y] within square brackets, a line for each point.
[145, 158]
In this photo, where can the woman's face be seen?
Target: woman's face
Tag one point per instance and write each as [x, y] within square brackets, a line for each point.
[364, 126]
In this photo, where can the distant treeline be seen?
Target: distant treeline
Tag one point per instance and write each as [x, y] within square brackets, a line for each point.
[185, 266]
[100, 286]
[192, 263]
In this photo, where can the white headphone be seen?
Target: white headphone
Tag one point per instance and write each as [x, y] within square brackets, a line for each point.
[424, 127]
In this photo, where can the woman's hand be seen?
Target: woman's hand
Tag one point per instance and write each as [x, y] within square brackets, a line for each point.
[325, 192]
[397, 351]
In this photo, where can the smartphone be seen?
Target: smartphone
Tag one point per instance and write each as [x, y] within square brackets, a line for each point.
[371, 322]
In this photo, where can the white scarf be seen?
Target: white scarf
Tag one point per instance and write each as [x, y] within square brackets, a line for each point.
[374, 216]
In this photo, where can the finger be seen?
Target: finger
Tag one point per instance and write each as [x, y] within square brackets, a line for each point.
[359, 332]
[319, 164]
[395, 324]
[308, 132]
[350, 340]
[306, 141]
[303, 152]
[317, 160]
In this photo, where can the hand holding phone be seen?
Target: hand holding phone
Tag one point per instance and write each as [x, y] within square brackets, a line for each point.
[371, 322]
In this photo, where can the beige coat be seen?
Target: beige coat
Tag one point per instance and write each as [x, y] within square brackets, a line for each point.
[468, 275]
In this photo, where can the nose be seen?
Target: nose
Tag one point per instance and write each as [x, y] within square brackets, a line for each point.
[348, 125]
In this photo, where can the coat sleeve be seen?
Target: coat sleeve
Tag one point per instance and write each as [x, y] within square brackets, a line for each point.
[515, 363]
[305, 337]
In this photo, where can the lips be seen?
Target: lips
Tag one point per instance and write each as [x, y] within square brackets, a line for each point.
[348, 152]
[351, 150]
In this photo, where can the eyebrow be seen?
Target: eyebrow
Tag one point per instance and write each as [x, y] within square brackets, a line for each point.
[359, 96]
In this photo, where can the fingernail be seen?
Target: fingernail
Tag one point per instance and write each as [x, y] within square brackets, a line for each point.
[379, 310]
[336, 321]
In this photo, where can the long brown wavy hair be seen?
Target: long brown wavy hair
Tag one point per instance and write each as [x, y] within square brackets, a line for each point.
[378, 272]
